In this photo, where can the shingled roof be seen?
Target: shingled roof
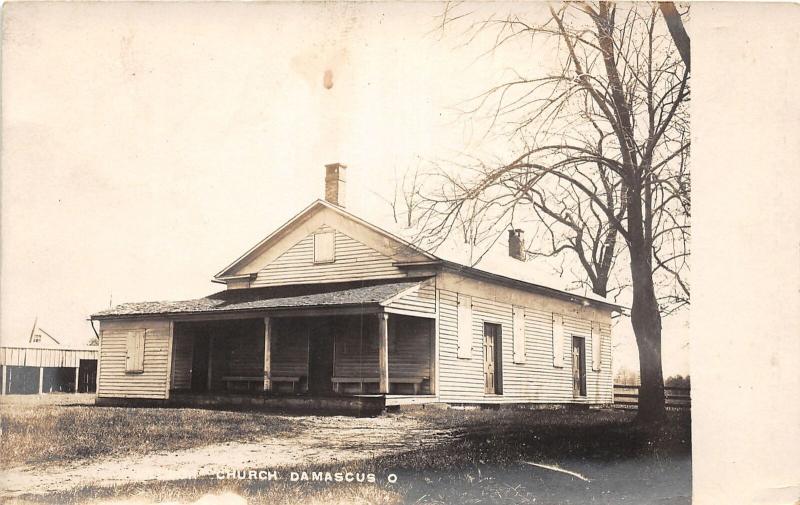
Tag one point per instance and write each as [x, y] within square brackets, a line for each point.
[290, 297]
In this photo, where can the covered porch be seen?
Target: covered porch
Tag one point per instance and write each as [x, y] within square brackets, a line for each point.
[353, 354]
[340, 340]
[357, 339]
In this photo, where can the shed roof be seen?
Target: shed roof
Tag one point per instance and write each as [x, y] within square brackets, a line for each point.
[46, 357]
[286, 297]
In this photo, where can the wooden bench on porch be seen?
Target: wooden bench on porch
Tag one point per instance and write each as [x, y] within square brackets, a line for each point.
[294, 381]
[416, 382]
[247, 381]
[259, 381]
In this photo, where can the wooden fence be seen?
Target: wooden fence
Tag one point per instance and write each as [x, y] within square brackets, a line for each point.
[627, 397]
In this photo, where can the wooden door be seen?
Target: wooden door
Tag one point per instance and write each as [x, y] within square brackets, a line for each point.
[578, 366]
[87, 376]
[320, 359]
[491, 361]
[200, 356]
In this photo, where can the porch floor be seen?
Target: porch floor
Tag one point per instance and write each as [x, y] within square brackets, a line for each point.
[359, 404]
[394, 400]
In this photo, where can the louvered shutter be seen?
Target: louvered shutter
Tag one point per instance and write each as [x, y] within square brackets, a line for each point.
[464, 326]
[597, 347]
[558, 340]
[519, 334]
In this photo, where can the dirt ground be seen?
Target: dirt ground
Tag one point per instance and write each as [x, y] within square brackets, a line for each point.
[78, 453]
[319, 441]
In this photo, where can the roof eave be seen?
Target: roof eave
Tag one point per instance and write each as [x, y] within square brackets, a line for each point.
[557, 293]
[221, 274]
[102, 317]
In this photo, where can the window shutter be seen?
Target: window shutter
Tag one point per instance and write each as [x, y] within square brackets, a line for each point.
[134, 351]
[597, 347]
[464, 326]
[558, 340]
[519, 335]
[324, 247]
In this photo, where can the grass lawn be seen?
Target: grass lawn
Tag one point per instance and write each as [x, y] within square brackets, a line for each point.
[69, 427]
[487, 458]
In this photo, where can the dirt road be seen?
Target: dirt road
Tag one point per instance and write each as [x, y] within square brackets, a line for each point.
[319, 441]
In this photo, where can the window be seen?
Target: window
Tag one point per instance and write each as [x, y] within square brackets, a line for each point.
[324, 247]
[134, 351]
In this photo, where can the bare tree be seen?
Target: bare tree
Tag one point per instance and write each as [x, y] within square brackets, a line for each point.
[406, 200]
[597, 152]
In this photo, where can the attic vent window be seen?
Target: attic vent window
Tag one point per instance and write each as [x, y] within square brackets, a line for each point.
[324, 247]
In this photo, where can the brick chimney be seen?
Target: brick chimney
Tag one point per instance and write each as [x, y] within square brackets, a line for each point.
[334, 183]
[516, 244]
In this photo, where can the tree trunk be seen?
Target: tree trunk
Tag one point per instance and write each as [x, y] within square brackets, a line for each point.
[677, 30]
[646, 321]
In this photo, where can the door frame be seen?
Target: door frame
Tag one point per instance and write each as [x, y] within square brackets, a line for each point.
[85, 373]
[580, 392]
[497, 357]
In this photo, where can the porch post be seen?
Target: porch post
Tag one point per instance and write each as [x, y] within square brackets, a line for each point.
[210, 362]
[4, 379]
[267, 359]
[77, 378]
[383, 352]
[41, 379]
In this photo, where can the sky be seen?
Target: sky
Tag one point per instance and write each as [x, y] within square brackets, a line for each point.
[146, 146]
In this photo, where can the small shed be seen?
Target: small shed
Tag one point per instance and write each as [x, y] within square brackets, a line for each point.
[33, 369]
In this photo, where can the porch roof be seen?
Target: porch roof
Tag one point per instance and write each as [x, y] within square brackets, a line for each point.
[286, 297]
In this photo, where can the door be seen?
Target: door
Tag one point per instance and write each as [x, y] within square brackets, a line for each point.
[578, 366]
[87, 376]
[320, 359]
[200, 352]
[491, 359]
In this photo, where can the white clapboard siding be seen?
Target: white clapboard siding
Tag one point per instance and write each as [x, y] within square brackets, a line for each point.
[182, 354]
[459, 379]
[36, 357]
[536, 380]
[418, 302]
[353, 261]
[113, 381]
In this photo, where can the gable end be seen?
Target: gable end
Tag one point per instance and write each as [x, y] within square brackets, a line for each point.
[353, 235]
[348, 260]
